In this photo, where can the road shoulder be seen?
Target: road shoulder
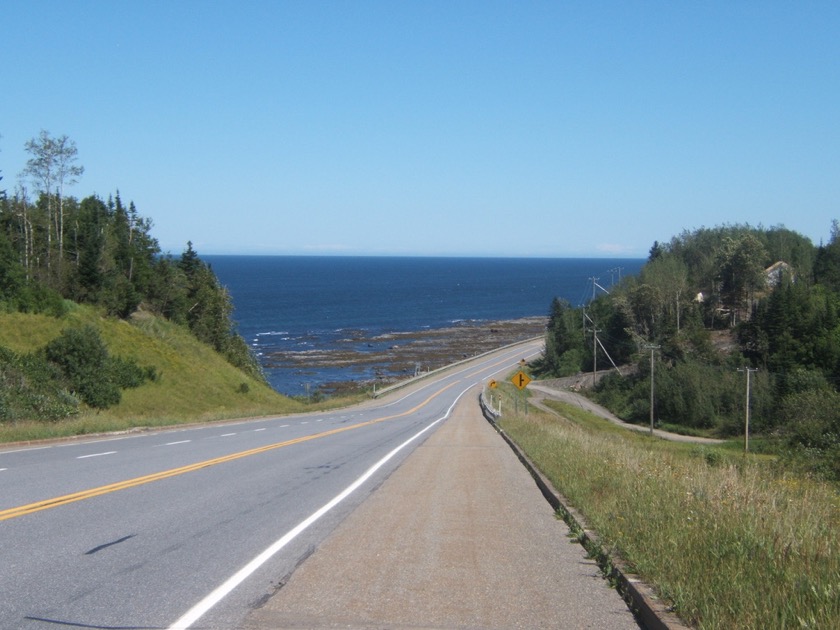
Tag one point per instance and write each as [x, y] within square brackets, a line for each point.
[458, 537]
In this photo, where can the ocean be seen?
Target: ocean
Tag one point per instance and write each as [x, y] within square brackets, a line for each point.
[300, 304]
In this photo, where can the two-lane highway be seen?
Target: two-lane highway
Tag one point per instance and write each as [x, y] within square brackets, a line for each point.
[194, 527]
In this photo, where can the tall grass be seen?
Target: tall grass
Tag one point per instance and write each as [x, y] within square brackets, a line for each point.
[730, 541]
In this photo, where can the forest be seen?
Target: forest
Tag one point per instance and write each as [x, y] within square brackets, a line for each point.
[710, 309]
[56, 251]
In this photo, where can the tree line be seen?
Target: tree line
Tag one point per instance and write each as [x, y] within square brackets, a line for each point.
[710, 304]
[55, 248]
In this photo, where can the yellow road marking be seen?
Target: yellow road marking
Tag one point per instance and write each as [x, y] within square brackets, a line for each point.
[46, 504]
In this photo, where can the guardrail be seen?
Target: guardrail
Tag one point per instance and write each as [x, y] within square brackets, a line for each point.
[420, 377]
[490, 413]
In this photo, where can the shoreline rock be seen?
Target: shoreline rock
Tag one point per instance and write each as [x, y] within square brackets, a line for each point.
[390, 357]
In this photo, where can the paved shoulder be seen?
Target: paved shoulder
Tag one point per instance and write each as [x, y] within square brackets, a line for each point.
[458, 537]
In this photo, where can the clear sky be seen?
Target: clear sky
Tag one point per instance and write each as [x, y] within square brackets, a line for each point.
[452, 127]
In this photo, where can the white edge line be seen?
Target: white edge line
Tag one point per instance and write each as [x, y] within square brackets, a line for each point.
[96, 455]
[197, 611]
[28, 448]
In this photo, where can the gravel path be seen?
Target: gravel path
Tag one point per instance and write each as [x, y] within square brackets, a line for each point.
[540, 391]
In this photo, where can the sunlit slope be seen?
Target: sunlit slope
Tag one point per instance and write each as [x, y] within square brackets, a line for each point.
[193, 381]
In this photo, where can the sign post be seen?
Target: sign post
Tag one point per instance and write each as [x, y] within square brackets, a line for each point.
[521, 380]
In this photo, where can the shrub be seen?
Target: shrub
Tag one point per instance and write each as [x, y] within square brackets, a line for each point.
[30, 387]
[37, 298]
[812, 418]
[125, 374]
[89, 371]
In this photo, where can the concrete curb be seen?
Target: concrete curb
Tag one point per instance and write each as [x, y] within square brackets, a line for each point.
[648, 608]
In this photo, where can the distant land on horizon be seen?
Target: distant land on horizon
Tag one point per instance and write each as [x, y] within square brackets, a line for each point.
[410, 256]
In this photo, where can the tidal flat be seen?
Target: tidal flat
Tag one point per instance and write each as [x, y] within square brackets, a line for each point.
[386, 358]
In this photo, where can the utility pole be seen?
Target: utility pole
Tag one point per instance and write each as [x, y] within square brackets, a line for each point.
[594, 285]
[748, 370]
[652, 349]
[595, 332]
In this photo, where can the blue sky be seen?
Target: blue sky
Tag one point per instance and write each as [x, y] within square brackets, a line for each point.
[434, 128]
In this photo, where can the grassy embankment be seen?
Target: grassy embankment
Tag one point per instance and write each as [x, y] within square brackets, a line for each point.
[731, 541]
[194, 383]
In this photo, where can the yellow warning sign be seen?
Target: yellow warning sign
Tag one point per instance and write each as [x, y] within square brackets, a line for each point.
[520, 379]
[492, 384]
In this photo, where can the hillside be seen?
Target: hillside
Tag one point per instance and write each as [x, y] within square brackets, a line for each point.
[719, 323]
[193, 382]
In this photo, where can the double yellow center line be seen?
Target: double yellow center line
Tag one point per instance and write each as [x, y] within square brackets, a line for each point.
[46, 504]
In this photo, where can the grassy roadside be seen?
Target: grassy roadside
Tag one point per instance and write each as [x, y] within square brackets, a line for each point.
[194, 383]
[731, 542]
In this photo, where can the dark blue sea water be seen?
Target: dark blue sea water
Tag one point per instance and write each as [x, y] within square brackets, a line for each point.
[294, 303]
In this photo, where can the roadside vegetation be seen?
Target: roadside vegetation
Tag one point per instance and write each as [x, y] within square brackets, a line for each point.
[707, 310]
[177, 378]
[170, 378]
[99, 329]
[727, 539]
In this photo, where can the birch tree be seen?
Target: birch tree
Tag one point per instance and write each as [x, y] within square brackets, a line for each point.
[53, 164]
[67, 173]
[669, 274]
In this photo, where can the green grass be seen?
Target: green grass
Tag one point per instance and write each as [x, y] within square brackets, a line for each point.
[194, 383]
[725, 537]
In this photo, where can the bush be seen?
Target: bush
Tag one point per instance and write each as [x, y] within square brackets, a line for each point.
[812, 419]
[126, 374]
[238, 354]
[37, 298]
[30, 387]
[570, 362]
[89, 371]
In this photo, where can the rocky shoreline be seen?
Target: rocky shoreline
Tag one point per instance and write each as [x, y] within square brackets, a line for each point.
[387, 358]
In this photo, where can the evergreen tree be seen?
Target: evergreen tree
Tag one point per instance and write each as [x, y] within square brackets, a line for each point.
[559, 337]
[91, 239]
[827, 263]
[12, 278]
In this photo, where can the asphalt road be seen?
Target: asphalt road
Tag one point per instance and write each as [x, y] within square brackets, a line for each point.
[194, 528]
